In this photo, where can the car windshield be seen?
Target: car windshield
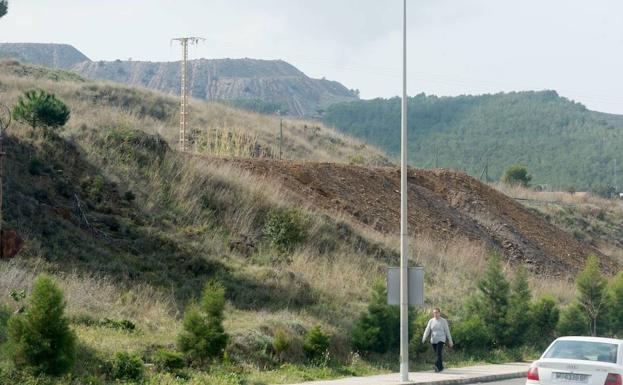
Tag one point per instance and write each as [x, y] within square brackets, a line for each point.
[583, 350]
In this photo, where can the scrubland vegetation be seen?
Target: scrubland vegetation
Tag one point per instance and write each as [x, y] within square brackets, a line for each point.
[589, 217]
[169, 268]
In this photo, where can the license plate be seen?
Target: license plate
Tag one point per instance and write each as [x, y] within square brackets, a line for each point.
[571, 377]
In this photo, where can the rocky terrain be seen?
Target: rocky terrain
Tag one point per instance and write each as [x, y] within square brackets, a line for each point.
[269, 81]
[62, 56]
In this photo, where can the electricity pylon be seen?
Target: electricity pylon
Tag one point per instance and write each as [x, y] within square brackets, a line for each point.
[184, 41]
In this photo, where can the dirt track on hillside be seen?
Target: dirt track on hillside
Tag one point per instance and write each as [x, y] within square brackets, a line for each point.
[443, 204]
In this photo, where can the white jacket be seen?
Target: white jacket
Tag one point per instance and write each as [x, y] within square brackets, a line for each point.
[439, 331]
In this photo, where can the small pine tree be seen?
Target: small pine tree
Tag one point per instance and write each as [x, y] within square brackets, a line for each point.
[126, 366]
[573, 321]
[491, 301]
[472, 335]
[316, 343]
[41, 338]
[592, 295]
[615, 300]
[518, 316]
[203, 336]
[4, 7]
[41, 109]
[285, 228]
[377, 329]
[544, 316]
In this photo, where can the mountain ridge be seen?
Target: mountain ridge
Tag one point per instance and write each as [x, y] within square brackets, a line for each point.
[270, 81]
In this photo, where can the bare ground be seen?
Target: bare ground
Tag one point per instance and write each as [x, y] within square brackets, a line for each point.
[443, 204]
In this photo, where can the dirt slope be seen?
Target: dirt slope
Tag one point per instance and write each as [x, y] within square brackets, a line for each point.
[443, 204]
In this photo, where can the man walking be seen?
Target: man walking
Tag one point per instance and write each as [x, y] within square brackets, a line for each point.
[439, 332]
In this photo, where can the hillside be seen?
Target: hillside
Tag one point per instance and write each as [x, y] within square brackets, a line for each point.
[272, 82]
[218, 128]
[443, 206]
[562, 144]
[592, 219]
[132, 229]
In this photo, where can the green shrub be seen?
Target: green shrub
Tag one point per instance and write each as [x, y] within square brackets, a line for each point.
[41, 338]
[252, 346]
[281, 342]
[516, 175]
[471, 334]
[285, 228]
[573, 321]
[168, 361]
[122, 324]
[544, 316]
[316, 343]
[377, 329]
[420, 320]
[129, 196]
[126, 366]
[36, 167]
[203, 336]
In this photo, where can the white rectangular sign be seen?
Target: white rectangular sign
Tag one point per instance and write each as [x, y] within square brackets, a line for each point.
[416, 286]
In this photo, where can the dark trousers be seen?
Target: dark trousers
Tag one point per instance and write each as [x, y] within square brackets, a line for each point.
[438, 348]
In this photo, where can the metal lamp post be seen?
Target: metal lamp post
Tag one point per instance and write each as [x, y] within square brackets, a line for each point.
[404, 249]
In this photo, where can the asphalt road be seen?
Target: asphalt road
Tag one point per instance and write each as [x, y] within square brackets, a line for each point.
[514, 381]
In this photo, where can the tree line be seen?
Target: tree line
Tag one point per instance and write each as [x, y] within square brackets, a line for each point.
[502, 314]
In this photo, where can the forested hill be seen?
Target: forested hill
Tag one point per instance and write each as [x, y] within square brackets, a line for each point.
[562, 143]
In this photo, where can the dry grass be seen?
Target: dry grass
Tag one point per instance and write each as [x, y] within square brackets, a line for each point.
[580, 199]
[592, 218]
[96, 296]
[561, 289]
[613, 251]
[220, 129]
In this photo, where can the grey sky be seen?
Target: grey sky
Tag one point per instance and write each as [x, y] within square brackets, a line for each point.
[456, 46]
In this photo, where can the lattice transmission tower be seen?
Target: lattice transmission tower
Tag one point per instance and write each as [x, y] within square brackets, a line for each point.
[184, 134]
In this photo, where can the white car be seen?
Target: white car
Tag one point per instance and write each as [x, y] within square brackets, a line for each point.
[579, 361]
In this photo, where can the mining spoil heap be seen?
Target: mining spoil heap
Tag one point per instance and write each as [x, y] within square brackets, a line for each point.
[443, 204]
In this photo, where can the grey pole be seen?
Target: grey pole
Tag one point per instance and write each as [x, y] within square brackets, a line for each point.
[404, 250]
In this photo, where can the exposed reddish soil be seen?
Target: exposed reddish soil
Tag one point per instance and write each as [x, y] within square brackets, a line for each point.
[11, 243]
[442, 203]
